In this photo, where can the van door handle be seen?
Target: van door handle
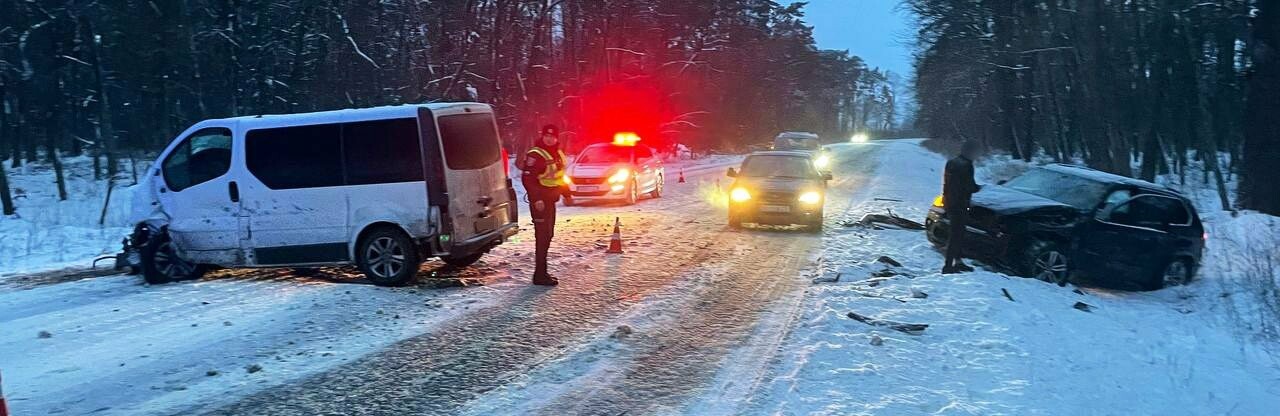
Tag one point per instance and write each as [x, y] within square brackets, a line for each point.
[234, 190]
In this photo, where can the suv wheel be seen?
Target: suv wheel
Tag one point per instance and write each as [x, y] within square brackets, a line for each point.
[161, 264]
[1048, 263]
[1176, 273]
[387, 257]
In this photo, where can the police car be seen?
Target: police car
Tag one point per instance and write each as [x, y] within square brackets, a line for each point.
[618, 171]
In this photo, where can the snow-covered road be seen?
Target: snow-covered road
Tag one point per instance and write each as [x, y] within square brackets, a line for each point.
[694, 318]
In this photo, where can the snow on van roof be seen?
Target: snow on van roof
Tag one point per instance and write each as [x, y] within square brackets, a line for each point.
[354, 114]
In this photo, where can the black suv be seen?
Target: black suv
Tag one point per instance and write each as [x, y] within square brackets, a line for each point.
[1056, 221]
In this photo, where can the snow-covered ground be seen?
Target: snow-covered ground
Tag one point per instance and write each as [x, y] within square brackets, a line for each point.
[48, 234]
[694, 319]
[1167, 352]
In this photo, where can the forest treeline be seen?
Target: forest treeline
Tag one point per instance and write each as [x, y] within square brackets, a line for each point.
[121, 77]
[1115, 84]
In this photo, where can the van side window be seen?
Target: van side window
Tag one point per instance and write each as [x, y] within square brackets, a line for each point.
[470, 141]
[295, 157]
[202, 156]
[382, 151]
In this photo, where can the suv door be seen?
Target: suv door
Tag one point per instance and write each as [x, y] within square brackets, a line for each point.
[1132, 238]
[199, 198]
[474, 176]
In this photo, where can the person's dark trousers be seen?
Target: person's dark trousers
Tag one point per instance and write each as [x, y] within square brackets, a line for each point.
[955, 237]
[544, 227]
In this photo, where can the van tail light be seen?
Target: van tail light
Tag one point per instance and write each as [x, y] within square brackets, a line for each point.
[506, 163]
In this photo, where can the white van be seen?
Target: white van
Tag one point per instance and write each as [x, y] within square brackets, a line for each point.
[382, 188]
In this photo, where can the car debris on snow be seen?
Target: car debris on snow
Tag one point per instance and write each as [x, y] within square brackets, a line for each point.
[1083, 306]
[252, 368]
[44, 335]
[906, 328]
[876, 340]
[918, 294]
[1007, 295]
[889, 260]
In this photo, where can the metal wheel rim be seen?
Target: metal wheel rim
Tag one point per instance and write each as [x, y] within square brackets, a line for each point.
[1176, 273]
[384, 257]
[169, 264]
[1051, 266]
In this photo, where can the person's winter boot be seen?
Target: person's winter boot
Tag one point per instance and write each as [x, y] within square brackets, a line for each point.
[545, 279]
[960, 267]
[949, 269]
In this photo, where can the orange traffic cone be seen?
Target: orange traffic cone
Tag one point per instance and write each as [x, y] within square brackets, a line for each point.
[681, 176]
[615, 243]
[4, 408]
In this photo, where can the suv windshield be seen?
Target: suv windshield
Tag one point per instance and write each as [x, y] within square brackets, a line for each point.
[605, 154]
[777, 166]
[1068, 189]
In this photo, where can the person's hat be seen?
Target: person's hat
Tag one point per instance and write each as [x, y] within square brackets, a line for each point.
[550, 129]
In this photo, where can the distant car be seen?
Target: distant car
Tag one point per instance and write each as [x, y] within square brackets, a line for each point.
[1056, 221]
[778, 188]
[804, 142]
[619, 171]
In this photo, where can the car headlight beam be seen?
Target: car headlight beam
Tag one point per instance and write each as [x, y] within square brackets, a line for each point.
[740, 195]
[822, 161]
[811, 197]
[620, 176]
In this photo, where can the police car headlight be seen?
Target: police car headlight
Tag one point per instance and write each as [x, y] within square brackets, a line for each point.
[822, 161]
[740, 195]
[620, 176]
[811, 197]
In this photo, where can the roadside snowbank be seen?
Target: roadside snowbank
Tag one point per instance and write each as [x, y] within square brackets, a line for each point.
[48, 234]
[1164, 352]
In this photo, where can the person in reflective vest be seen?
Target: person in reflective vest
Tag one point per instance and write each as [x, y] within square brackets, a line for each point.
[543, 177]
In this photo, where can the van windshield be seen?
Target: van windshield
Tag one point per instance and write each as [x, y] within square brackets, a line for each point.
[605, 154]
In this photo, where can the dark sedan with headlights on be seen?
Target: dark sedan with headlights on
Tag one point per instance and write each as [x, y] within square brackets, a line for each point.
[1058, 221]
[778, 188]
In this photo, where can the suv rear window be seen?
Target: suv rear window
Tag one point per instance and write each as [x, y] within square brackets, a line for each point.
[470, 141]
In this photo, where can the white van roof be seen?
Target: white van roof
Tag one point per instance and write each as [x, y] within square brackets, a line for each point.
[355, 114]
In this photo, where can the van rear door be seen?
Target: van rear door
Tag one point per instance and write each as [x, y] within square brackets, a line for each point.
[474, 180]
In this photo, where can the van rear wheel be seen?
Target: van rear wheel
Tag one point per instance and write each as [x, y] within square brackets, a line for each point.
[462, 261]
[387, 257]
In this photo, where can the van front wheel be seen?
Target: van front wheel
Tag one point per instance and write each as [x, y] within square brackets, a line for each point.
[161, 263]
[387, 257]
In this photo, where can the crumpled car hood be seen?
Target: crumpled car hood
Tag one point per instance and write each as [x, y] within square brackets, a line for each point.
[1004, 200]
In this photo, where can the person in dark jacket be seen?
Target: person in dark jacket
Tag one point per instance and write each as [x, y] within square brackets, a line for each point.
[958, 187]
[543, 176]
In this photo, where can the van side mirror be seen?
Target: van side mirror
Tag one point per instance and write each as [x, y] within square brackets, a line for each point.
[732, 173]
[826, 176]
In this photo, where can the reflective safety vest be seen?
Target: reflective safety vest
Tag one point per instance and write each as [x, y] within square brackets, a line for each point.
[553, 176]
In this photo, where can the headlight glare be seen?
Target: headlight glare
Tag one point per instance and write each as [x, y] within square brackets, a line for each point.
[822, 161]
[811, 197]
[740, 195]
[620, 176]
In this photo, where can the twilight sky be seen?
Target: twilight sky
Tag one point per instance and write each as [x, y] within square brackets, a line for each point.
[876, 30]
